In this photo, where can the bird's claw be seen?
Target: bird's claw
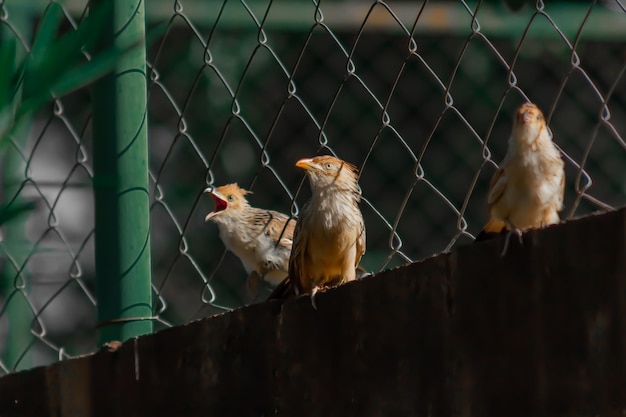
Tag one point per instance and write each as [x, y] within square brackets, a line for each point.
[507, 240]
[313, 292]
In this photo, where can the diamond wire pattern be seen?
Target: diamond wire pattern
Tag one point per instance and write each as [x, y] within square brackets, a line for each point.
[50, 274]
[425, 116]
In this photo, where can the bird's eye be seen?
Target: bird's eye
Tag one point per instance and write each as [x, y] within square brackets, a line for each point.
[231, 197]
[538, 117]
[329, 165]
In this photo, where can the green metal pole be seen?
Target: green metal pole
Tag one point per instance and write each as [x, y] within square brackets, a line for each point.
[123, 275]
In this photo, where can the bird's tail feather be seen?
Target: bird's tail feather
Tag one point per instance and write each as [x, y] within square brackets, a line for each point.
[493, 228]
[283, 291]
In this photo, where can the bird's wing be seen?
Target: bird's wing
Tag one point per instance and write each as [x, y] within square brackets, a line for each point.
[298, 250]
[360, 244]
[273, 225]
[290, 285]
[497, 186]
[561, 193]
[284, 229]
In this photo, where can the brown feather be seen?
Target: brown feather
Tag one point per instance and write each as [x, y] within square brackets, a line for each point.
[329, 236]
[527, 190]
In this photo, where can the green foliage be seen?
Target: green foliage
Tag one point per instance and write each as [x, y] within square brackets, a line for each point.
[9, 212]
[7, 80]
[56, 65]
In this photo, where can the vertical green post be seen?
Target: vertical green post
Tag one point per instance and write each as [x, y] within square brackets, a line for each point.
[120, 149]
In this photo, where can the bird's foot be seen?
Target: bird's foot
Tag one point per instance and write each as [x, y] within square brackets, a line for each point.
[513, 231]
[313, 292]
[362, 272]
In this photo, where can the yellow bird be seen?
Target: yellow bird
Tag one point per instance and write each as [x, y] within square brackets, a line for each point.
[329, 238]
[527, 190]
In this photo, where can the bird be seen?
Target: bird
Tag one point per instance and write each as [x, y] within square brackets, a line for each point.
[527, 189]
[329, 237]
[260, 238]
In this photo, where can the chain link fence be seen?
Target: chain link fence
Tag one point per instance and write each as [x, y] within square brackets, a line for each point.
[419, 95]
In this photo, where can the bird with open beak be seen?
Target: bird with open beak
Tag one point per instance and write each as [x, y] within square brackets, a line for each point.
[527, 190]
[329, 238]
[261, 239]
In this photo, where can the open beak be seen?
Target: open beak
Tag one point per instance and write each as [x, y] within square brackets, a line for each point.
[220, 203]
[306, 164]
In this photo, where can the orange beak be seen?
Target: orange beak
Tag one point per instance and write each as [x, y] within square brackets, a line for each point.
[305, 163]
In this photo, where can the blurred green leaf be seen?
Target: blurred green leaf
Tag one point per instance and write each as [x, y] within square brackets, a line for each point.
[20, 250]
[56, 65]
[47, 30]
[7, 84]
[80, 76]
[39, 68]
[11, 211]
[59, 66]
[7, 70]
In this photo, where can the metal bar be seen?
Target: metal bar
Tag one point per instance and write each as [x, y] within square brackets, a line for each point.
[122, 235]
[449, 18]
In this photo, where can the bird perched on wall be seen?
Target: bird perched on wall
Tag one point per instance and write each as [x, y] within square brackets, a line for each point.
[261, 239]
[329, 238]
[527, 190]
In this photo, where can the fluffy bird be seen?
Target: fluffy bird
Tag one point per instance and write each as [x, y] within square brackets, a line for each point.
[329, 238]
[527, 190]
[261, 239]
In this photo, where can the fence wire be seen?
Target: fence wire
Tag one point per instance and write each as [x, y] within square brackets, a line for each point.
[420, 96]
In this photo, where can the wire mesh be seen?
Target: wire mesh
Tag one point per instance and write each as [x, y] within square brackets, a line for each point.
[420, 96]
[47, 297]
